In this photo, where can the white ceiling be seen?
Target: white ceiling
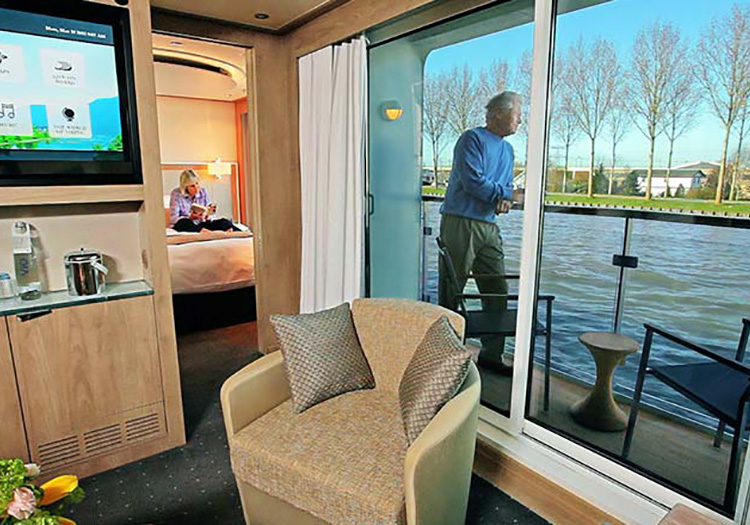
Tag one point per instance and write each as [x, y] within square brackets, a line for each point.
[180, 80]
[281, 12]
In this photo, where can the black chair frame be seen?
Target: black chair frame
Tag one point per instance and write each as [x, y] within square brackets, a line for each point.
[738, 423]
[460, 300]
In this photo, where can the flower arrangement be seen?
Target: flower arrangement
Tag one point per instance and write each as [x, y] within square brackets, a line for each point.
[23, 503]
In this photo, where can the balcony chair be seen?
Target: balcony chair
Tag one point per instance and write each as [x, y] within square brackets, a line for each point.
[481, 323]
[721, 386]
[346, 460]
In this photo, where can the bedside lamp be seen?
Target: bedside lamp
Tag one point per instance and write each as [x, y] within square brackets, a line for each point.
[218, 168]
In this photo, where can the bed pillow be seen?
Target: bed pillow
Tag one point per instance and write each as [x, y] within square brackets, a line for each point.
[322, 355]
[436, 371]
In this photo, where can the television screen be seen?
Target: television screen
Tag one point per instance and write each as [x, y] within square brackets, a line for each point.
[66, 114]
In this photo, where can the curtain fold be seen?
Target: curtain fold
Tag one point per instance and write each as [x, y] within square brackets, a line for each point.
[332, 113]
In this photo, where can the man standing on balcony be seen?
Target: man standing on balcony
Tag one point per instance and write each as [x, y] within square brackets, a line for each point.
[479, 188]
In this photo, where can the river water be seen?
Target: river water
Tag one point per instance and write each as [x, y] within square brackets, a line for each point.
[693, 280]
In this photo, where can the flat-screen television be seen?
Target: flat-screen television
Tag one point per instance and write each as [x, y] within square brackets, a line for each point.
[67, 95]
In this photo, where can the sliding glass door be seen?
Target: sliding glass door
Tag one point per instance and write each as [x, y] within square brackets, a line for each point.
[629, 294]
[427, 90]
[644, 240]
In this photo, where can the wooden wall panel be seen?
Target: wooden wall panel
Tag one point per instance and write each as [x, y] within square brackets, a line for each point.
[350, 19]
[12, 434]
[276, 185]
[78, 365]
[152, 234]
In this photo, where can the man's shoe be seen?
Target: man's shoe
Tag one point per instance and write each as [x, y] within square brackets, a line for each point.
[499, 367]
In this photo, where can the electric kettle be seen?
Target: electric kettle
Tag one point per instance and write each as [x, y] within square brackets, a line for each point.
[85, 272]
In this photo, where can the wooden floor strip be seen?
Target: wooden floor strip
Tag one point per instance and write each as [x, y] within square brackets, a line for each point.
[536, 492]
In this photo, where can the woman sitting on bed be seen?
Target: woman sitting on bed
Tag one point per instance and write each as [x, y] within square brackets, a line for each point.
[190, 209]
[189, 193]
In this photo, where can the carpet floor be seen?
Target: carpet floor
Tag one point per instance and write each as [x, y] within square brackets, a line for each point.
[193, 484]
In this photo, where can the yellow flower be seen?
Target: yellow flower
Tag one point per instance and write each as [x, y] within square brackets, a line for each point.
[58, 488]
[66, 521]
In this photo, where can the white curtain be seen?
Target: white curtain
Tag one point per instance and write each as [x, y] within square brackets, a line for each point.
[332, 112]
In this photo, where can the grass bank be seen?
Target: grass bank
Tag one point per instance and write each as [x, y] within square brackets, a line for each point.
[687, 205]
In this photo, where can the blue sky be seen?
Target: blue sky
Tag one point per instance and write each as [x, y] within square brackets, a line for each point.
[618, 21]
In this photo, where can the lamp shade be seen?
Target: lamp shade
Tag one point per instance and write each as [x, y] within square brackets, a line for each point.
[391, 110]
[219, 168]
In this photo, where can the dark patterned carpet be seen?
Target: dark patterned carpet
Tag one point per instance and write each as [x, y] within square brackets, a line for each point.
[193, 485]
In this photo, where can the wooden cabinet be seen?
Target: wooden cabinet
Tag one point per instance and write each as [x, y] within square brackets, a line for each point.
[89, 379]
[12, 434]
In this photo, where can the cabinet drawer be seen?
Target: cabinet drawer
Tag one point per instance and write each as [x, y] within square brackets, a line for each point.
[83, 369]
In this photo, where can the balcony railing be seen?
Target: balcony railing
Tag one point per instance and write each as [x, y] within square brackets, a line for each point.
[614, 269]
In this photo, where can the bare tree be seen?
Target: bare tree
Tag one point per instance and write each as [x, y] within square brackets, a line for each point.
[617, 127]
[465, 109]
[590, 75]
[680, 108]
[738, 158]
[723, 67]
[493, 80]
[522, 85]
[657, 52]
[435, 116]
[562, 118]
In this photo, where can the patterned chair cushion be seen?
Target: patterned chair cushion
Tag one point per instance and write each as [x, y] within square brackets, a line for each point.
[322, 355]
[436, 371]
[341, 461]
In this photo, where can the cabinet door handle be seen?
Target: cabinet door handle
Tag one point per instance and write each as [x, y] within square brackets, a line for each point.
[28, 316]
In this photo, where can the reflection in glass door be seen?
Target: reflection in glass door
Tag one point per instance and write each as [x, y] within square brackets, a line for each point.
[646, 225]
[437, 83]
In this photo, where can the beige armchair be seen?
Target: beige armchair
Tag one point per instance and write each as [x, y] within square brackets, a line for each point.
[346, 460]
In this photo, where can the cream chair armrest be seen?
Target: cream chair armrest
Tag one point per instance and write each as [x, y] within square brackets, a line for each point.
[438, 466]
[251, 392]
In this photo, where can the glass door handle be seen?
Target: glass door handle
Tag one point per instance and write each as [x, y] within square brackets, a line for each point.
[371, 204]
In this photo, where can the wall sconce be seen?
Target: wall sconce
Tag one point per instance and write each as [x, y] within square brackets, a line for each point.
[219, 168]
[391, 110]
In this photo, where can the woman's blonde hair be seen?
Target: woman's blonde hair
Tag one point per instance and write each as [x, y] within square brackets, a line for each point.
[187, 178]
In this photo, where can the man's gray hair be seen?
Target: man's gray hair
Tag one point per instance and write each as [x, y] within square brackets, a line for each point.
[503, 103]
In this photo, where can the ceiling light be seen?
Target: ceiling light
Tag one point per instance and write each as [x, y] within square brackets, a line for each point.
[175, 43]
[262, 16]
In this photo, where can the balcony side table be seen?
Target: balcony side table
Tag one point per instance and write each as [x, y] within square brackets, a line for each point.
[599, 410]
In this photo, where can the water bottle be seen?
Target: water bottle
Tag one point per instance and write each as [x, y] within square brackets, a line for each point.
[25, 261]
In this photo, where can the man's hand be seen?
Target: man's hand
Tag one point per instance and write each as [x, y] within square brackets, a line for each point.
[503, 206]
[518, 195]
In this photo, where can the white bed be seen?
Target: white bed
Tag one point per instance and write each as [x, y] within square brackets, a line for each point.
[210, 262]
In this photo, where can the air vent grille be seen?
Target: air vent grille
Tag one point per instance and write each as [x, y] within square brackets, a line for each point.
[117, 433]
[142, 427]
[102, 439]
[59, 452]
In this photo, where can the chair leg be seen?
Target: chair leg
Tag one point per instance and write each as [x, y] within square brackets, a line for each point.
[733, 476]
[547, 355]
[635, 406]
[719, 434]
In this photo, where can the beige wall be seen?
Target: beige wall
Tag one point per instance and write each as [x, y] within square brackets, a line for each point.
[112, 229]
[192, 130]
[198, 131]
